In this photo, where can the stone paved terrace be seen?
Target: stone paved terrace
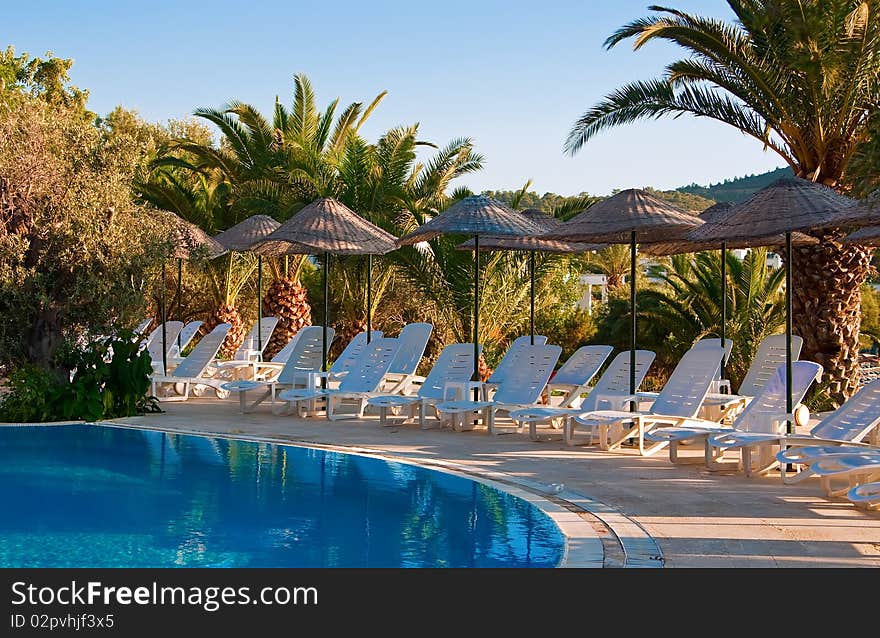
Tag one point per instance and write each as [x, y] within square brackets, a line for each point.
[697, 518]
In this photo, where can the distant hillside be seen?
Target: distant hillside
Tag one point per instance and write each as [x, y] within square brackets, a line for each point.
[737, 189]
[690, 202]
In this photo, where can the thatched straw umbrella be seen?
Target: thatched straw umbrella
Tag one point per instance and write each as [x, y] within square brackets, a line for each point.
[785, 206]
[188, 242]
[325, 227]
[243, 237]
[478, 216]
[532, 244]
[631, 216]
[714, 213]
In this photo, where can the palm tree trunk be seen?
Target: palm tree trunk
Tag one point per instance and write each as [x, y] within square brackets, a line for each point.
[826, 301]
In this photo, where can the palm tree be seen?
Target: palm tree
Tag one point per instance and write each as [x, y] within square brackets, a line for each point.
[799, 77]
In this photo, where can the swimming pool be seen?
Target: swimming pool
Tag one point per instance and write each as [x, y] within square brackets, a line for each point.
[103, 496]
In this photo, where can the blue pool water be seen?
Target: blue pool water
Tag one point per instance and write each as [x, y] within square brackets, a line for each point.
[98, 496]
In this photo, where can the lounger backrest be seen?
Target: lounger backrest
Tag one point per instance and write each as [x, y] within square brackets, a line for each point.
[711, 342]
[855, 419]
[373, 364]
[141, 328]
[525, 381]
[508, 361]
[306, 355]
[349, 357]
[687, 387]
[203, 353]
[455, 364]
[769, 356]
[413, 340]
[252, 342]
[614, 382]
[189, 331]
[284, 354]
[763, 411]
[582, 366]
[172, 329]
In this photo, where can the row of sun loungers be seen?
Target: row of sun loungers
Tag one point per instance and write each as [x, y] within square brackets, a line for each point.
[576, 402]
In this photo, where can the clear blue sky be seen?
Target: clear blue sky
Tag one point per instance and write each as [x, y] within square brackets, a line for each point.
[512, 75]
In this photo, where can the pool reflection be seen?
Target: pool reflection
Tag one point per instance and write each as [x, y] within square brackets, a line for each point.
[103, 496]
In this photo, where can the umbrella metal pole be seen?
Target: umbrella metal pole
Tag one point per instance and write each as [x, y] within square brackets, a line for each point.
[723, 300]
[788, 366]
[164, 335]
[179, 298]
[532, 303]
[632, 308]
[259, 306]
[476, 315]
[326, 320]
[369, 297]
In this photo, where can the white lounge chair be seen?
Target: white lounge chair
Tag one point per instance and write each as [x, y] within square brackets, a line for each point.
[141, 328]
[574, 377]
[866, 495]
[183, 339]
[677, 404]
[190, 373]
[349, 357]
[762, 414]
[412, 340]
[250, 353]
[854, 469]
[357, 386]
[452, 370]
[849, 424]
[508, 361]
[154, 345]
[610, 391]
[521, 387]
[299, 371]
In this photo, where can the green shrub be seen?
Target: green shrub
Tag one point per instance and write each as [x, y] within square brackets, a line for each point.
[29, 396]
[110, 378]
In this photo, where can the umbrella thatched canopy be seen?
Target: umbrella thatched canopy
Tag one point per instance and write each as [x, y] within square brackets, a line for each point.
[613, 220]
[190, 241]
[869, 236]
[244, 235]
[787, 205]
[476, 215]
[328, 226]
[714, 213]
[863, 212]
[531, 242]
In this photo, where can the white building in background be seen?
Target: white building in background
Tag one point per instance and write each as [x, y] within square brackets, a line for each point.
[586, 300]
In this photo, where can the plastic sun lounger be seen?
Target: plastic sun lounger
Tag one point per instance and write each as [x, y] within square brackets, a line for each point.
[413, 340]
[866, 495]
[184, 338]
[452, 370]
[854, 469]
[299, 371]
[154, 345]
[610, 391]
[575, 375]
[848, 425]
[677, 404]
[250, 352]
[763, 414]
[191, 372]
[522, 387]
[357, 386]
[508, 361]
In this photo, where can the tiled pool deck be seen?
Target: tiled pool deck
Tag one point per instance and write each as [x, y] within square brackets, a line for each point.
[617, 508]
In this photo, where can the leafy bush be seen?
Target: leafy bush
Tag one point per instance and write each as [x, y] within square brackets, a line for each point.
[28, 397]
[110, 378]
